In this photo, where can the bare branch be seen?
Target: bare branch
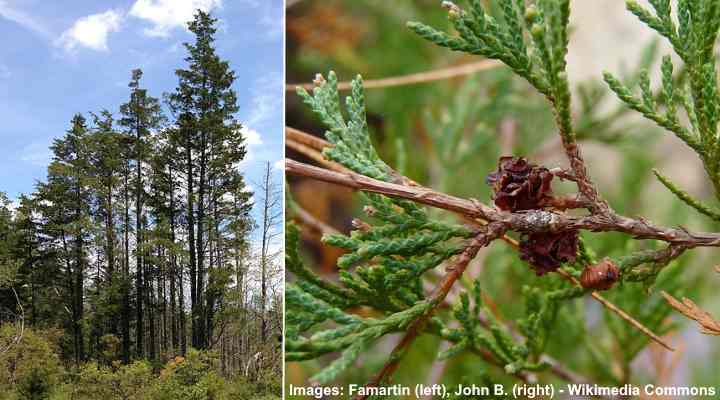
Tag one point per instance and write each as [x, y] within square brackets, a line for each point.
[21, 328]
[412, 79]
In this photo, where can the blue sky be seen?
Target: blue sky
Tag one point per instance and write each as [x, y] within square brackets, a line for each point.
[63, 57]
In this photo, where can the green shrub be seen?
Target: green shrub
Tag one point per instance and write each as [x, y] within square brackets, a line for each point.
[28, 364]
[191, 378]
[269, 384]
[266, 387]
[30, 370]
[109, 348]
[128, 382]
[35, 385]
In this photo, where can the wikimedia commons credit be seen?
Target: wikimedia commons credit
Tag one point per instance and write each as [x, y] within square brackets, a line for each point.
[517, 391]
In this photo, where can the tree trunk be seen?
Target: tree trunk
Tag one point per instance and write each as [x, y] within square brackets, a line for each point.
[199, 315]
[183, 331]
[264, 256]
[173, 268]
[139, 328]
[191, 242]
[79, 281]
[126, 274]
[150, 296]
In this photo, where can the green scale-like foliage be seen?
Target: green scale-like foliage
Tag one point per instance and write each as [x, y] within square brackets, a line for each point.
[312, 302]
[384, 265]
[404, 242]
[692, 33]
[532, 41]
[383, 271]
[350, 138]
[385, 261]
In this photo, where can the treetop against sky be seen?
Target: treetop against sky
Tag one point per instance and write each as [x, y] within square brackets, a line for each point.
[69, 57]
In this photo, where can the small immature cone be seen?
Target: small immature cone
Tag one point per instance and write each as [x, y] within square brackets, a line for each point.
[519, 185]
[601, 276]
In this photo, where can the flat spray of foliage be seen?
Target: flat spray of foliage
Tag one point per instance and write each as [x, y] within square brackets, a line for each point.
[389, 256]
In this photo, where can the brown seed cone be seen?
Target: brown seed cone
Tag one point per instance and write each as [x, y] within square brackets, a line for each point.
[519, 185]
[601, 276]
[546, 251]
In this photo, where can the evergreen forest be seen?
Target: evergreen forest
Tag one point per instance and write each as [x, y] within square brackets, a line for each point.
[135, 269]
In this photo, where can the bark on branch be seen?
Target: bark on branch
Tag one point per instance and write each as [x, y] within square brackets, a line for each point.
[532, 221]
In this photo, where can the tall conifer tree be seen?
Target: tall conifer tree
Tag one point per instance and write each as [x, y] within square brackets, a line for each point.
[141, 116]
[209, 135]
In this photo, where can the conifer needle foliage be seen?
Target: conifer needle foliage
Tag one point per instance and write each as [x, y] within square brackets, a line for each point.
[383, 269]
[692, 32]
[399, 246]
[532, 40]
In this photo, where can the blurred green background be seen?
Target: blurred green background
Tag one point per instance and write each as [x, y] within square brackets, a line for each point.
[449, 134]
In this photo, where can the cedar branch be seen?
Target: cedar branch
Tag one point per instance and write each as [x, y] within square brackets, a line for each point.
[467, 209]
[454, 272]
[531, 221]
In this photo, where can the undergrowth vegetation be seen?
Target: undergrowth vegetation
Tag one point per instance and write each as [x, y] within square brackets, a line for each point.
[30, 369]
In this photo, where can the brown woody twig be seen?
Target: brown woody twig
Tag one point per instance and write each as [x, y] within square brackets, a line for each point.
[528, 221]
[411, 79]
[602, 300]
[290, 3]
[454, 272]
[307, 219]
[688, 308]
[307, 139]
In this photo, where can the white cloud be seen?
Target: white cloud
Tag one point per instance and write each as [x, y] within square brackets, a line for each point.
[253, 140]
[23, 19]
[270, 17]
[166, 15]
[266, 105]
[252, 137]
[273, 22]
[279, 165]
[91, 31]
[37, 154]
